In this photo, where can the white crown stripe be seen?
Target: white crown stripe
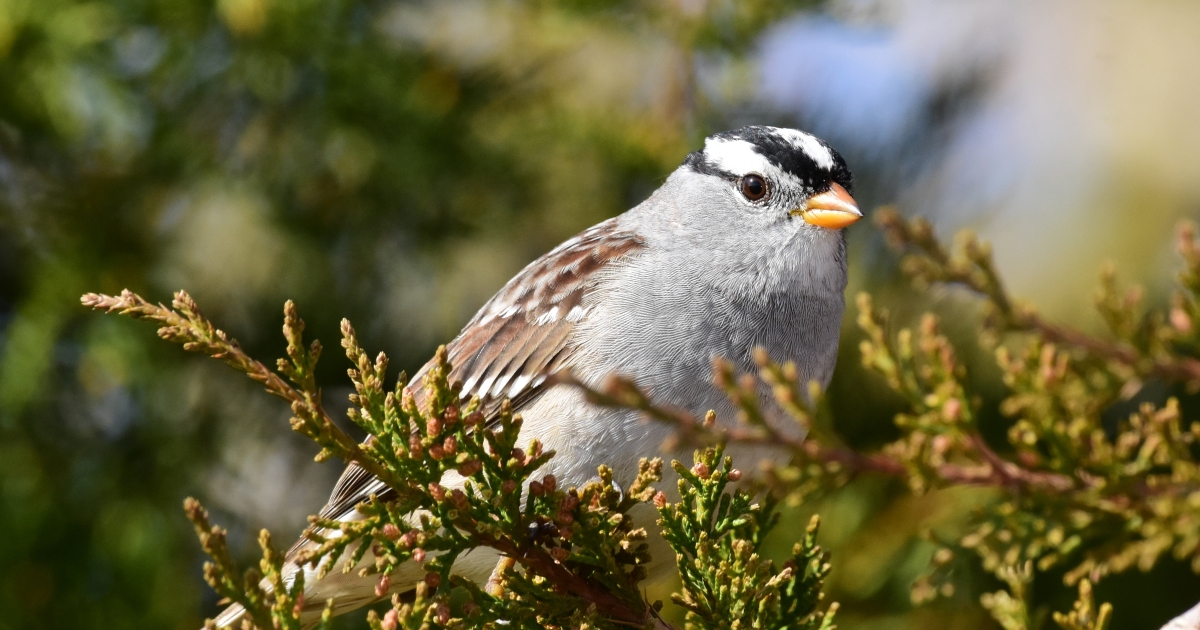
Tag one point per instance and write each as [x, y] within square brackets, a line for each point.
[741, 157]
[735, 156]
[810, 145]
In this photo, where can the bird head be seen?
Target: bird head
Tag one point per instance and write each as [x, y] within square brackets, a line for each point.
[780, 175]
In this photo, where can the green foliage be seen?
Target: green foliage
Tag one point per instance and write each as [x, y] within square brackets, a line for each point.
[252, 149]
[580, 556]
[331, 151]
[1085, 615]
[718, 536]
[1096, 499]
[1011, 608]
[271, 602]
[1071, 493]
[1103, 501]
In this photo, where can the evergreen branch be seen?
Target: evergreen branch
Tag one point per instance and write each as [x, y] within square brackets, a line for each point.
[264, 595]
[621, 393]
[717, 537]
[972, 266]
[186, 325]
[990, 469]
[1085, 615]
[1125, 501]
[584, 564]
[1011, 608]
[1072, 490]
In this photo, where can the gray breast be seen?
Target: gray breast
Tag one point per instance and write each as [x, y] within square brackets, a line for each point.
[662, 325]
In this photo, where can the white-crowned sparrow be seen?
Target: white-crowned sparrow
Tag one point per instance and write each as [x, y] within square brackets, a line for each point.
[741, 247]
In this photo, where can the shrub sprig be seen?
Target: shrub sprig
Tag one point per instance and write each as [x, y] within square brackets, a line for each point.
[569, 557]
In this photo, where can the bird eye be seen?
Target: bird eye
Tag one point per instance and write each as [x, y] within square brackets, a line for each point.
[754, 187]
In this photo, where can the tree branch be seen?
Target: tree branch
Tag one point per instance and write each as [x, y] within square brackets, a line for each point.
[186, 325]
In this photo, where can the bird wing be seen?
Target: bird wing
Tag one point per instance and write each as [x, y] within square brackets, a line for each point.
[519, 338]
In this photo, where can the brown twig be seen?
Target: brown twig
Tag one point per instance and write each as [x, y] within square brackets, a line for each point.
[1181, 369]
[540, 562]
[1010, 475]
[994, 472]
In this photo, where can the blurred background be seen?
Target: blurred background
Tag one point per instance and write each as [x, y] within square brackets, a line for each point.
[396, 162]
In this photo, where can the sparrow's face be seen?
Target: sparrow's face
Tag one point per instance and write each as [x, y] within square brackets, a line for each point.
[773, 176]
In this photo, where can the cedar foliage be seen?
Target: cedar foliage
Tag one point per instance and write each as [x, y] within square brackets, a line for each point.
[1071, 492]
[580, 557]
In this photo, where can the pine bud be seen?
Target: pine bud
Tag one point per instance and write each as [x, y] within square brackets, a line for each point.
[473, 419]
[390, 620]
[391, 532]
[433, 427]
[559, 554]
[550, 483]
[734, 475]
[433, 580]
[508, 487]
[701, 470]
[470, 467]
[437, 492]
[419, 555]
[437, 452]
[381, 587]
[450, 446]
[536, 488]
[660, 500]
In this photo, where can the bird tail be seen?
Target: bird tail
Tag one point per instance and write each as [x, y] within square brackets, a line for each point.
[232, 618]
[235, 618]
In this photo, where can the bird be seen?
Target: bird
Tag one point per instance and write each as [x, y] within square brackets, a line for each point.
[743, 246]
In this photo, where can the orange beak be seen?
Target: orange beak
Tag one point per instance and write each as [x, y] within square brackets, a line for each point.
[834, 209]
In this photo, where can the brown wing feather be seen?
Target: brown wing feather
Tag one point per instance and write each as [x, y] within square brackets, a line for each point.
[522, 335]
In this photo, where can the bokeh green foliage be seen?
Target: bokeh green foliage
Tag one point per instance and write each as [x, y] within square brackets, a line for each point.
[252, 150]
[334, 152]
[1096, 475]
